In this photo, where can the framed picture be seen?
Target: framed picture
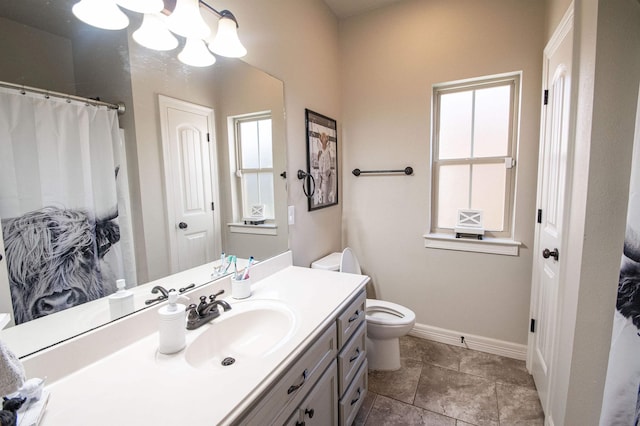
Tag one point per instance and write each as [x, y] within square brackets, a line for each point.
[322, 160]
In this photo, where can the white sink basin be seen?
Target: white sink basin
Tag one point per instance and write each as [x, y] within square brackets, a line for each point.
[250, 331]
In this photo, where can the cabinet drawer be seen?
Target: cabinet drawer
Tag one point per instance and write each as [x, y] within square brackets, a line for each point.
[351, 318]
[351, 357]
[292, 387]
[353, 398]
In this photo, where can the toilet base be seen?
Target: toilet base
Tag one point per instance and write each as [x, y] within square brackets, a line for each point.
[383, 354]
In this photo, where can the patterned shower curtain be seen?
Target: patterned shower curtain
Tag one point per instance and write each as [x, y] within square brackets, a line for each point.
[59, 171]
[621, 402]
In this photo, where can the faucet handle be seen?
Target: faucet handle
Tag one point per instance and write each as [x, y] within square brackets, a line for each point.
[213, 296]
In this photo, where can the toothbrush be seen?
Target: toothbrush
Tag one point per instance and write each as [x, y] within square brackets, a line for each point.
[235, 267]
[229, 260]
[246, 270]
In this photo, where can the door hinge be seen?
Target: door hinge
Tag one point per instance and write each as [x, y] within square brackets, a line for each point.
[546, 97]
[208, 138]
[539, 215]
[532, 326]
[213, 207]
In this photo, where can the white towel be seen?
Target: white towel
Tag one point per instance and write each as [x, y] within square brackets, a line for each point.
[12, 373]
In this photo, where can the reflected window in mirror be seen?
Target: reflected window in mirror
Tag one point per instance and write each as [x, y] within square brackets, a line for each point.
[254, 167]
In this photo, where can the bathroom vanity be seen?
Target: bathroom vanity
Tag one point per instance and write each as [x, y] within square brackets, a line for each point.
[293, 353]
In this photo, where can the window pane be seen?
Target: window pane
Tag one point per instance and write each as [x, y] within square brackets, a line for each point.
[249, 144]
[453, 193]
[266, 154]
[250, 192]
[487, 194]
[491, 123]
[454, 139]
[266, 193]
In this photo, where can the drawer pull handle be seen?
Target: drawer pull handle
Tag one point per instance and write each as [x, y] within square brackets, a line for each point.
[353, 401]
[299, 423]
[294, 388]
[355, 316]
[356, 356]
[310, 413]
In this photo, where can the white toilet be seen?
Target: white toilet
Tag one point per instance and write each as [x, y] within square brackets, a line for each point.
[386, 321]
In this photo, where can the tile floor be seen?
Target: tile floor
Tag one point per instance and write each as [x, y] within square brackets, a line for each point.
[442, 385]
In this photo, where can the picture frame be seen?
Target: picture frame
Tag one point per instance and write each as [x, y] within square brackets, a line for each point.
[322, 160]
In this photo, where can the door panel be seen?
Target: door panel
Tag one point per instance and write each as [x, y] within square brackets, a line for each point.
[189, 168]
[552, 175]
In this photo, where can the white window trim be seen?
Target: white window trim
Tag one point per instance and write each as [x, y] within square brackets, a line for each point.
[503, 246]
[490, 245]
[263, 229]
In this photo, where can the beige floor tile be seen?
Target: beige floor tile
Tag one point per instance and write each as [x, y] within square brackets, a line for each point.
[458, 395]
[518, 405]
[389, 412]
[400, 384]
[495, 367]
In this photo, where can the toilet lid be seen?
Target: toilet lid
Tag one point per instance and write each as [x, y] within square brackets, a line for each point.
[389, 313]
[349, 262]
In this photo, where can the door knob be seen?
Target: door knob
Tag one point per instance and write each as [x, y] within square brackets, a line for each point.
[182, 225]
[546, 253]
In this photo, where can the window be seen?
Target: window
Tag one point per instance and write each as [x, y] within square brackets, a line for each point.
[474, 146]
[254, 163]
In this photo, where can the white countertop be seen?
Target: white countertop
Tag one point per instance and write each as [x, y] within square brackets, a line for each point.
[136, 385]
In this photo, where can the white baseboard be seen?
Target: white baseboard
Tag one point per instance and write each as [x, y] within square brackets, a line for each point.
[478, 343]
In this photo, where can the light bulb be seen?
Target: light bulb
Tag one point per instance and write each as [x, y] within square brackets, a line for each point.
[186, 20]
[154, 34]
[196, 54]
[142, 6]
[103, 14]
[226, 43]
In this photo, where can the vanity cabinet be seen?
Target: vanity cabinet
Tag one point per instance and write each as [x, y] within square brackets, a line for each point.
[327, 383]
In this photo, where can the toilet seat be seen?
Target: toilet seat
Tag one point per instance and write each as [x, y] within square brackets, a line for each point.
[385, 313]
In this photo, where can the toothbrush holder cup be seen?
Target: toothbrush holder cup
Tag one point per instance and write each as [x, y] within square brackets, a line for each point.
[240, 289]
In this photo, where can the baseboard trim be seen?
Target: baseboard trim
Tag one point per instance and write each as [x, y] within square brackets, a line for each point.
[478, 343]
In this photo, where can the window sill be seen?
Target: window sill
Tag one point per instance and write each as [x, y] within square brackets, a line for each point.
[501, 246]
[264, 229]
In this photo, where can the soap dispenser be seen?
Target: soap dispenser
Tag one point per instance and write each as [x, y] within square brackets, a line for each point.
[121, 302]
[172, 327]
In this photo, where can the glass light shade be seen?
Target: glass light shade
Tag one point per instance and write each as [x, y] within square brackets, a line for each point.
[142, 6]
[103, 14]
[186, 20]
[154, 34]
[226, 43]
[196, 54]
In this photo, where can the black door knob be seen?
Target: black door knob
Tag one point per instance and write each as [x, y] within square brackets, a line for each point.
[546, 253]
[182, 225]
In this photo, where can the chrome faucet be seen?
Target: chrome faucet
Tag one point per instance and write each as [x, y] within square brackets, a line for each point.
[204, 312]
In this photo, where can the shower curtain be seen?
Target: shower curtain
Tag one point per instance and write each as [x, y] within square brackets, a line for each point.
[621, 400]
[59, 202]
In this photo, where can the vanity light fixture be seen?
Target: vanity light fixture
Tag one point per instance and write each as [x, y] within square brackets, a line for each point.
[157, 30]
[226, 42]
[103, 14]
[142, 6]
[196, 54]
[154, 34]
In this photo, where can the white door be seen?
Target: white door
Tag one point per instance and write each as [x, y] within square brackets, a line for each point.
[191, 183]
[552, 175]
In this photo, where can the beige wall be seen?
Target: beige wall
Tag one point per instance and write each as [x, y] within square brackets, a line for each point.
[390, 58]
[297, 42]
[242, 89]
[35, 58]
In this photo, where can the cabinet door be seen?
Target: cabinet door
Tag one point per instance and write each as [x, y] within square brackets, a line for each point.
[320, 407]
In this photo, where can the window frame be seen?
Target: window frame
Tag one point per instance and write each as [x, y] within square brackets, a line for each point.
[513, 80]
[240, 171]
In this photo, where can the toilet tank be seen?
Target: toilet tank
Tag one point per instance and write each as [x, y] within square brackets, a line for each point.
[330, 262]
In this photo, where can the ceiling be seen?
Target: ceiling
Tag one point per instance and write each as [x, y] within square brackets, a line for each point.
[347, 8]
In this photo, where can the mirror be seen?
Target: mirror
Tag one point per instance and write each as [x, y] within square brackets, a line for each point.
[52, 50]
